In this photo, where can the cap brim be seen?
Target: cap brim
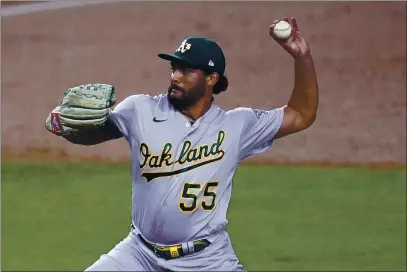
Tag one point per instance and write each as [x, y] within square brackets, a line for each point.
[178, 59]
[172, 58]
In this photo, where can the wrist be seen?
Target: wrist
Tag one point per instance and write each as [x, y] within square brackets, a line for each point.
[304, 57]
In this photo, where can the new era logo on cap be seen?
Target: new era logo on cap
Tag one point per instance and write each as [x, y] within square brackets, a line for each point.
[211, 63]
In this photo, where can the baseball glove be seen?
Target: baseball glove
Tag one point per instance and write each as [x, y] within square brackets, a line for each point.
[83, 107]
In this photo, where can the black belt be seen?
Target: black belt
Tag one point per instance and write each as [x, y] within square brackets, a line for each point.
[174, 251]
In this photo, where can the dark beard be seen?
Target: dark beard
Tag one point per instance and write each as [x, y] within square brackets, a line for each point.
[189, 98]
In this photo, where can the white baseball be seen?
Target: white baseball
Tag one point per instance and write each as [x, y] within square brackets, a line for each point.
[282, 30]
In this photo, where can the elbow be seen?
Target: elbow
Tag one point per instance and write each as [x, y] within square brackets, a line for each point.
[305, 120]
[308, 120]
[312, 119]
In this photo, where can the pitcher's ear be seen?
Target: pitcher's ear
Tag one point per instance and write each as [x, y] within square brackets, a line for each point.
[212, 79]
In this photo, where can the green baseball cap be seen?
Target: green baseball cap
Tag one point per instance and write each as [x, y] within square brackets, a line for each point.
[199, 52]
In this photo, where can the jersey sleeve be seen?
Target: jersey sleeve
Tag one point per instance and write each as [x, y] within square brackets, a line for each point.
[258, 130]
[123, 115]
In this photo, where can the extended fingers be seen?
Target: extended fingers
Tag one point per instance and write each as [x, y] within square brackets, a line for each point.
[296, 31]
[294, 23]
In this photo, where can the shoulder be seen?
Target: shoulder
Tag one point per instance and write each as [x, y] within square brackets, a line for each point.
[240, 112]
[253, 112]
[254, 115]
[142, 98]
[136, 101]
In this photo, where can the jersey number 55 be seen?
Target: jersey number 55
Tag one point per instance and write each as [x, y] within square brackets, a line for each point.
[190, 192]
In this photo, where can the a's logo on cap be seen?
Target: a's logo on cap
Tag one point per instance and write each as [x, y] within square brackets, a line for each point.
[184, 47]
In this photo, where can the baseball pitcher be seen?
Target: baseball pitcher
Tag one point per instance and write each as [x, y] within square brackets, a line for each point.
[184, 152]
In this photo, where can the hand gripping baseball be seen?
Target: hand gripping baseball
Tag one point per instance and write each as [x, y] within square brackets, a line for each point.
[83, 107]
[295, 45]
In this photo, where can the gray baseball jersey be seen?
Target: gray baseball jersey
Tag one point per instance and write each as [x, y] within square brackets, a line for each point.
[182, 172]
[182, 179]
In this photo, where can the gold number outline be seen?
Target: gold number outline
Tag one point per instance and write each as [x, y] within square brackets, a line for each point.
[185, 191]
[210, 193]
[186, 194]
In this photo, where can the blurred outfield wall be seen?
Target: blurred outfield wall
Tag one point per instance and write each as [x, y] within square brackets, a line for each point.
[359, 50]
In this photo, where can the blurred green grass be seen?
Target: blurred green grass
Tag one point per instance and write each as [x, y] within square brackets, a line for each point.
[62, 216]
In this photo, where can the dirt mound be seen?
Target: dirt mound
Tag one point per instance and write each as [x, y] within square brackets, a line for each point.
[360, 60]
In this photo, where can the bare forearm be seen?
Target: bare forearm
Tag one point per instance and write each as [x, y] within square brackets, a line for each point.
[305, 95]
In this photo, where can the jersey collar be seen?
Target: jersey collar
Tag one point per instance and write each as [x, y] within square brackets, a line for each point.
[210, 115]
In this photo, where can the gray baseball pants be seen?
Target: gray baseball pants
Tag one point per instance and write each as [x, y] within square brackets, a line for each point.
[131, 254]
